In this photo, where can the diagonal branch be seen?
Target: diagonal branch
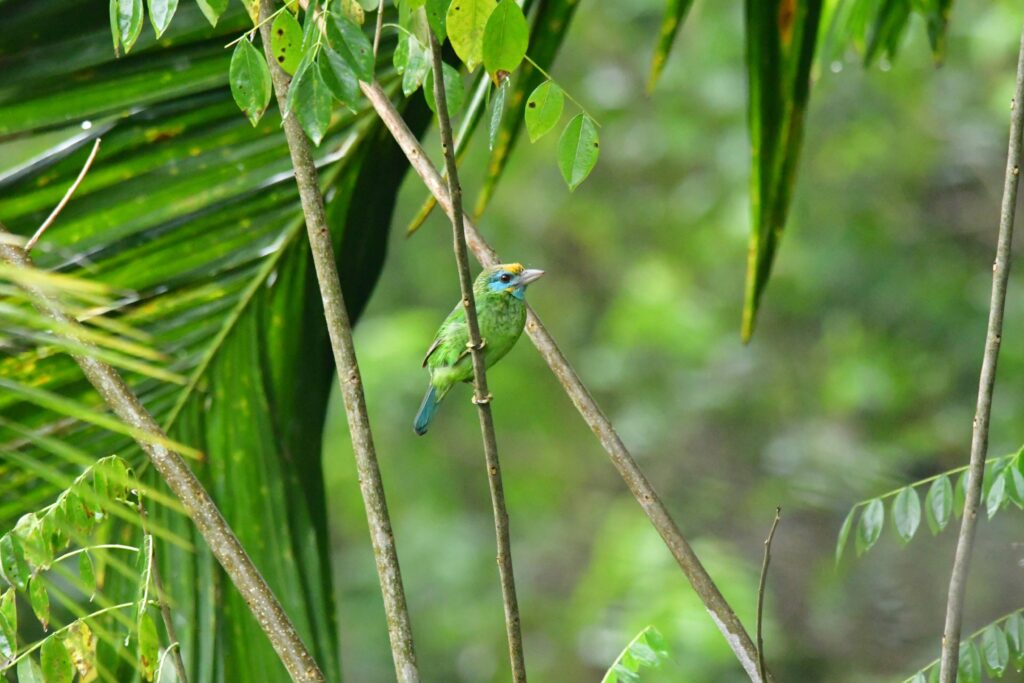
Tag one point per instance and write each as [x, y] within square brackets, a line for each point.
[339, 329]
[198, 504]
[482, 397]
[722, 614]
[986, 385]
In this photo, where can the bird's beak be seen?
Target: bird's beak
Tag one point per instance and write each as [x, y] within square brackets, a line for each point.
[529, 275]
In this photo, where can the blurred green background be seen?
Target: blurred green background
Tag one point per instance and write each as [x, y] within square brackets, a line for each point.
[862, 374]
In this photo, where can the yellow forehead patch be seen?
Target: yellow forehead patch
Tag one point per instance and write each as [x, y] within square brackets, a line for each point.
[514, 268]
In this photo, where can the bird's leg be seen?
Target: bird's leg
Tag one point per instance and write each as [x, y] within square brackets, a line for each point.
[483, 343]
[481, 401]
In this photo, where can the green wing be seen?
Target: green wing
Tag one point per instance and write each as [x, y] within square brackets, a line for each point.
[450, 340]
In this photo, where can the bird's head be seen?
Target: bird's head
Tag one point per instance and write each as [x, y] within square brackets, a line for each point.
[507, 278]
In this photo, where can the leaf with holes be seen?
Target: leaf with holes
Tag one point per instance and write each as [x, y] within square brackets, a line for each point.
[543, 109]
[578, 150]
[506, 37]
[286, 42]
[250, 81]
[906, 513]
[466, 22]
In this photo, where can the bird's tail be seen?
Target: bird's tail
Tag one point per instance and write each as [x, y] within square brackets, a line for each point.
[427, 409]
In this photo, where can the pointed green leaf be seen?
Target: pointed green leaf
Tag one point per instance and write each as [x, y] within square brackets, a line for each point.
[8, 626]
[40, 600]
[29, 531]
[906, 513]
[339, 78]
[1014, 628]
[960, 493]
[970, 663]
[1014, 485]
[349, 41]
[466, 22]
[578, 149]
[416, 67]
[250, 81]
[996, 495]
[55, 662]
[126, 16]
[919, 678]
[437, 17]
[543, 109]
[506, 37]
[675, 15]
[995, 650]
[286, 42]
[149, 646]
[212, 9]
[309, 100]
[497, 109]
[29, 672]
[938, 504]
[454, 91]
[870, 527]
[844, 533]
[160, 14]
[12, 561]
[87, 574]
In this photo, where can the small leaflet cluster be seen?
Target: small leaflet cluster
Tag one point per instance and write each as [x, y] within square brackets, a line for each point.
[31, 549]
[647, 649]
[994, 650]
[1003, 486]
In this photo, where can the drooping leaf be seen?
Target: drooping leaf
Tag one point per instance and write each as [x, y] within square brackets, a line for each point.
[497, 109]
[87, 573]
[126, 16]
[160, 14]
[149, 646]
[309, 100]
[543, 109]
[465, 23]
[29, 671]
[844, 533]
[870, 527]
[12, 561]
[970, 663]
[8, 625]
[906, 513]
[938, 504]
[578, 149]
[417, 66]
[960, 493]
[506, 37]
[40, 600]
[286, 42]
[675, 15]
[454, 91]
[996, 495]
[1014, 485]
[55, 662]
[81, 645]
[887, 30]
[339, 78]
[781, 38]
[250, 80]
[437, 16]
[213, 9]
[349, 41]
[647, 649]
[1014, 629]
[995, 650]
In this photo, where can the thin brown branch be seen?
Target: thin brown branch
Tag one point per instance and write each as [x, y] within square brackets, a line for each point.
[721, 612]
[379, 28]
[339, 329]
[760, 591]
[482, 397]
[64, 200]
[198, 504]
[986, 385]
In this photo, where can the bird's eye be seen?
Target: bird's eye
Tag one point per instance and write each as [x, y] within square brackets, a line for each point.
[505, 277]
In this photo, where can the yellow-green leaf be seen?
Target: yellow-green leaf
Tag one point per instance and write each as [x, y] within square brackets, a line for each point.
[466, 22]
[40, 600]
[543, 109]
[578, 150]
[286, 42]
[212, 9]
[506, 37]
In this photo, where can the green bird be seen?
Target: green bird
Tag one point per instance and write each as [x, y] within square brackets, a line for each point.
[500, 293]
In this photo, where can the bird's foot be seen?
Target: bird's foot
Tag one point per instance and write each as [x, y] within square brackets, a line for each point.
[477, 400]
[471, 347]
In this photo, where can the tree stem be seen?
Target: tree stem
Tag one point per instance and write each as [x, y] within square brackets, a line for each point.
[339, 329]
[722, 614]
[482, 397]
[986, 386]
[198, 504]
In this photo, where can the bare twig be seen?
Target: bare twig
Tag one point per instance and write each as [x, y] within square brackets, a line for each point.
[722, 614]
[482, 397]
[64, 200]
[986, 385]
[379, 28]
[339, 329]
[198, 504]
[760, 590]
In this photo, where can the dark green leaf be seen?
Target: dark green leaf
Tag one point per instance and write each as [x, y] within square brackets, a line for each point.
[454, 91]
[465, 22]
[160, 14]
[149, 646]
[970, 663]
[780, 54]
[126, 16]
[870, 527]
[339, 78]
[286, 42]
[55, 661]
[844, 533]
[675, 15]
[543, 109]
[578, 149]
[906, 513]
[889, 27]
[349, 41]
[29, 672]
[996, 495]
[417, 65]
[12, 561]
[87, 574]
[994, 649]
[250, 81]
[212, 9]
[1014, 485]
[437, 15]
[938, 504]
[506, 37]
[1014, 628]
[497, 109]
[40, 600]
[309, 100]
